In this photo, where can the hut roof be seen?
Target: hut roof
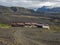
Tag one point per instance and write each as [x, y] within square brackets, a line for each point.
[40, 24]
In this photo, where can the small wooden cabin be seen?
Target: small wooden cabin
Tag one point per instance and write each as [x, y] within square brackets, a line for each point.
[20, 24]
[13, 24]
[39, 25]
[17, 24]
[27, 24]
[42, 26]
[46, 27]
[33, 23]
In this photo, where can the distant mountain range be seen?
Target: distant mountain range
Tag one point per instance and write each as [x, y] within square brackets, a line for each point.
[11, 14]
[48, 9]
[22, 10]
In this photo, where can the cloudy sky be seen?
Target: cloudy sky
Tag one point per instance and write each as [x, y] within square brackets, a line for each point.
[31, 3]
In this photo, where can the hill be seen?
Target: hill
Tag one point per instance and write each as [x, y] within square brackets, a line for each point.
[20, 14]
[15, 10]
[11, 14]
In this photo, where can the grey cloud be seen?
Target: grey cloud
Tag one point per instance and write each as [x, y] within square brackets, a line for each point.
[31, 3]
[46, 0]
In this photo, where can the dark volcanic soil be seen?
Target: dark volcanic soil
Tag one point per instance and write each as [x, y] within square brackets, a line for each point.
[28, 36]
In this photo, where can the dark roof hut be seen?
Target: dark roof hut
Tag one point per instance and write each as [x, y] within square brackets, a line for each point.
[17, 24]
[20, 24]
[39, 25]
[28, 24]
[13, 24]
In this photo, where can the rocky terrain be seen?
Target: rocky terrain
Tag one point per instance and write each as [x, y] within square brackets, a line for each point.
[28, 36]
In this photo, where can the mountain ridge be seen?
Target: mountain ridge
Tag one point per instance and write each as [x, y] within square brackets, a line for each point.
[47, 9]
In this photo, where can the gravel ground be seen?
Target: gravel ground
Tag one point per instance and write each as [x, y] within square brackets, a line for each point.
[28, 36]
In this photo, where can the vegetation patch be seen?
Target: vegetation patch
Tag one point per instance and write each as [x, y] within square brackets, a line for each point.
[4, 25]
[55, 28]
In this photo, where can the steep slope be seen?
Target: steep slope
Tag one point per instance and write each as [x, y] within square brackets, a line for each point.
[16, 14]
[15, 10]
[11, 14]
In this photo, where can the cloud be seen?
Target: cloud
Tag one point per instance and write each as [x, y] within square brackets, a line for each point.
[31, 3]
